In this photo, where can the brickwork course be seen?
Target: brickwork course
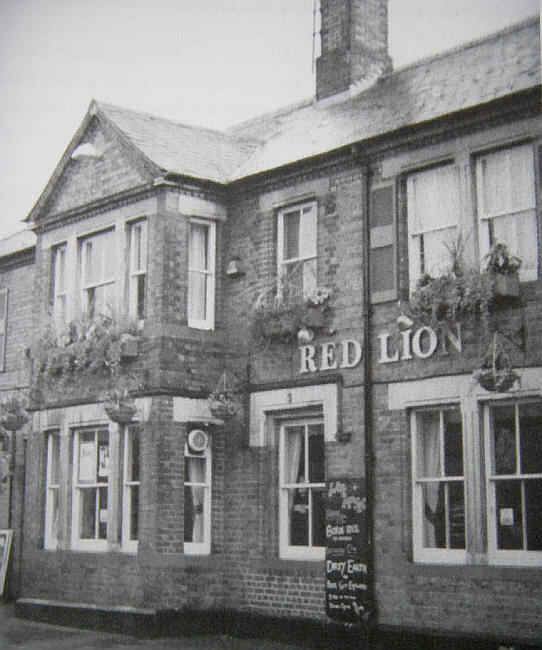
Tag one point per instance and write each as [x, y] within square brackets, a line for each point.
[368, 129]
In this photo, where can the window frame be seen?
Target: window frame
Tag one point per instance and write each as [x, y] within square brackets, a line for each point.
[416, 258]
[200, 548]
[484, 219]
[77, 542]
[433, 555]
[286, 550]
[51, 541]
[137, 269]
[59, 294]
[494, 555]
[282, 262]
[128, 485]
[209, 272]
[84, 285]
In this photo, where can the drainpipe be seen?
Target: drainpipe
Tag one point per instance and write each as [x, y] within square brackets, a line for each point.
[368, 403]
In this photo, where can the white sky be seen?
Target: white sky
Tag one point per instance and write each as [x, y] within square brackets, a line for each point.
[206, 62]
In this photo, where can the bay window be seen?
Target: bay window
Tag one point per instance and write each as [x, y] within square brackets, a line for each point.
[197, 501]
[302, 490]
[99, 264]
[90, 489]
[297, 246]
[433, 206]
[507, 205]
[52, 486]
[201, 274]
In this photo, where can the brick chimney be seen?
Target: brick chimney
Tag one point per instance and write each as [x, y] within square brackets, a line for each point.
[354, 44]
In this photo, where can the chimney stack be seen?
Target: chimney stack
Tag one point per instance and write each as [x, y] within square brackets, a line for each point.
[354, 37]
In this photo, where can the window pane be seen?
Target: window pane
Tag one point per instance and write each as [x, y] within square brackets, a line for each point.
[519, 233]
[308, 232]
[316, 454]
[428, 444]
[504, 439]
[102, 513]
[381, 207]
[54, 451]
[456, 514]
[53, 495]
[435, 251]
[198, 247]
[509, 517]
[533, 508]
[294, 456]
[433, 199]
[291, 222]
[140, 297]
[194, 469]
[134, 512]
[453, 443]
[318, 518]
[194, 514]
[382, 269]
[434, 516]
[299, 516]
[530, 424]
[309, 276]
[133, 469]
[88, 513]
[197, 295]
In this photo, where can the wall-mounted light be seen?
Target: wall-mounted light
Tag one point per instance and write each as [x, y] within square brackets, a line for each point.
[234, 268]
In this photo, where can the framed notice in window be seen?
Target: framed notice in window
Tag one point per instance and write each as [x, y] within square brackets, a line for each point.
[5, 545]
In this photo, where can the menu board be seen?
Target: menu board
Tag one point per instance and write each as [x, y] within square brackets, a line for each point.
[347, 597]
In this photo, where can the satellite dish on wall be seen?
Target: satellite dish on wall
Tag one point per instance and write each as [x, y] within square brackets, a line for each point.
[198, 440]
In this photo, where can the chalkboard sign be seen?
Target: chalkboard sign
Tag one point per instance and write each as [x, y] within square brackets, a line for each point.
[347, 597]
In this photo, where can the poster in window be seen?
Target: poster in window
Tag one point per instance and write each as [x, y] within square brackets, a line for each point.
[5, 545]
[103, 461]
[86, 462]
[347, 596]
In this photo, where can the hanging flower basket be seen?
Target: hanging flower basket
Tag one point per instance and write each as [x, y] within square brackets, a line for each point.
[507, 286]
[121, 413]
[12, 415]
[497, 374]
[222, 401]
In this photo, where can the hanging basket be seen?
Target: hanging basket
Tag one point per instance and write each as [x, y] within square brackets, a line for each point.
[13, 421]
[497, 375]
[120, 413]
[222, 401]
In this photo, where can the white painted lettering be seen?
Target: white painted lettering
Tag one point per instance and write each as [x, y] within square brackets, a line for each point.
[406, 352]
[307, 358]
[329, 360]
[351, 353]
[417, 342]
[384, 356]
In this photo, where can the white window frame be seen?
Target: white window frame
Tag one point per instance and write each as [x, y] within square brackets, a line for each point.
[201, 548]
[416, 230]
[288, 551]
[495, 555]
[87, 286]
[421, 553]
[87, 544]
[60, 288]
[485, 216]
[137, 263]
[308, 232]
[209, 272]
[52, 491]
[3, 328]
[128, 486]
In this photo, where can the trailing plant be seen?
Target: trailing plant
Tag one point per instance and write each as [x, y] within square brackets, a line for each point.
[87, 348]
[496, 373]
[499, 261]
[222, 401]
[280, 313]
[13, 414]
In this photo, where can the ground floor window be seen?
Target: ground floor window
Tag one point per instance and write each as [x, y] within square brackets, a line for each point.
[302, 490]
[52, 485]
[477, 482]
[197, 498]
[130, 496]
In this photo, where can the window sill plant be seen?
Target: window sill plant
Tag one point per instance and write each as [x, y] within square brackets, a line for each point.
[503, 268]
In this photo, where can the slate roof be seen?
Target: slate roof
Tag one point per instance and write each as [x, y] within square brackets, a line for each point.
[16, 243]
[494, 67]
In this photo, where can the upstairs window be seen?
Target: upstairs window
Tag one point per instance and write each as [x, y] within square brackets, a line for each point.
[433, 217]
[3, 326]
[137, 269]
[59, 293]
[52, 488]
[201, 274]
[99, 264]
[297, 246]
[507, 205]
[197, 501]
[302, 490]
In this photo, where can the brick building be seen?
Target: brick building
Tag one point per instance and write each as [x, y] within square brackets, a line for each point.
[363, 475]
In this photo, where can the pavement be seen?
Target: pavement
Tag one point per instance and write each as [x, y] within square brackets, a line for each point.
[19, 634]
